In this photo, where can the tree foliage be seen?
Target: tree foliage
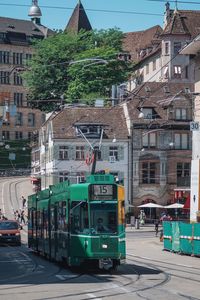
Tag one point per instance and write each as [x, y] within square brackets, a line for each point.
[81, 67]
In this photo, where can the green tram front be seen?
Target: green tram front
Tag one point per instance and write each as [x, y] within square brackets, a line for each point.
[97, 223]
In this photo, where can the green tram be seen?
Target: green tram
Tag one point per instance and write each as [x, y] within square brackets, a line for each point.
[79, 223]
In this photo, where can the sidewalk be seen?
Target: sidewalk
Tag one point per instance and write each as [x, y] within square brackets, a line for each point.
[143, 228]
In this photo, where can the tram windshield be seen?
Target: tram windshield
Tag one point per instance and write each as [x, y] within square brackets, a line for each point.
[103, 218]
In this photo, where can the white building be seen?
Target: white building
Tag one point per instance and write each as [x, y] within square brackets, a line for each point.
[193, 49]
[66, 139]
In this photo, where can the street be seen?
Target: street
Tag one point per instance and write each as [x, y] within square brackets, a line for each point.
[149, 272]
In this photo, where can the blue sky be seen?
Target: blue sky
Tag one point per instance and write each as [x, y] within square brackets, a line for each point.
[57, 18]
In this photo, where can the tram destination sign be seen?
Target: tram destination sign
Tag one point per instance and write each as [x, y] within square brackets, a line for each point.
[102, 192]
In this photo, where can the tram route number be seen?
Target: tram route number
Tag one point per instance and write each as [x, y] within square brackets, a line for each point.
[194, 126]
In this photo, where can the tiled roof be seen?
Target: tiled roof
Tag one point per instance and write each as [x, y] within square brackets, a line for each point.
[184, 22]
[8, 25]
[78, 20]
[157, 97]
[135, 42]
[113, 118]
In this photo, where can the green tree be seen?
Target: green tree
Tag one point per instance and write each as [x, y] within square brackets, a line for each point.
[66, 64]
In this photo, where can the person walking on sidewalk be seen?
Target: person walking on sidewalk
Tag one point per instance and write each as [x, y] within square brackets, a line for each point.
[156, 226]
[23, 202]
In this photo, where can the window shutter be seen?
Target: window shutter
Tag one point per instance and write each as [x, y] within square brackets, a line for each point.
[121, 152]
[72, 153]
[56, 152]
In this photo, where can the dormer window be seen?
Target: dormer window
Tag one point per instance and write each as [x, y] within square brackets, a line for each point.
[166, 89]
[150, 113]
[89, 130]
[181, 114]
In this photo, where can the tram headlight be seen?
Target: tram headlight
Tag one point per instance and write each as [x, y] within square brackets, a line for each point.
[104, 246]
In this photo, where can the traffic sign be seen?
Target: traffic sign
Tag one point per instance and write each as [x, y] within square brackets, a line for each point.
[194, 126]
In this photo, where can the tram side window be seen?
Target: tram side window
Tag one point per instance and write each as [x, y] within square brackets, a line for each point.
[52, 219]
[34, 223]
[79, 215]
[45, 223]
[39, 223]
[62, 224]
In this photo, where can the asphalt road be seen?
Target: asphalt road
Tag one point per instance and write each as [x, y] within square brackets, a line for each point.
[149, 272]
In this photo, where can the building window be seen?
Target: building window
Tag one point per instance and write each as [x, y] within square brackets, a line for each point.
[63, 153]
[113, 152]
[80, 155]
[98, 155]
[63, 176]
[4, 57]
[183, 174]
[4, 77]
[166, 48]
[177, 71]
[17, 79]
[149, 140]
[31, 119]
[28, 58]
[186, 72]
[154, 64]
[30, 136]
[149, 173]
[181, 141]
[18, 135]
[177, 48]
[18, 99]
[17, 58]
[166, 72]
[147, 68]
[19, 119]
[5, 135]
[181, 114]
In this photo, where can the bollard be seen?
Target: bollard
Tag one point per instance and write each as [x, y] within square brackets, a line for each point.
[137, 224]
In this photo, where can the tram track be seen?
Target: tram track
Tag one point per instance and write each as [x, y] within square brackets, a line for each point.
[168, 266]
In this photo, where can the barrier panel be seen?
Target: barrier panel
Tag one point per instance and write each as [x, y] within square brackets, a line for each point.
[175, 236]
[167, 235]
[196, 239]
[186, 238]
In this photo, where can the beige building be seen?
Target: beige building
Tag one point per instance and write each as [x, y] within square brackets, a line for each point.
[18, 121]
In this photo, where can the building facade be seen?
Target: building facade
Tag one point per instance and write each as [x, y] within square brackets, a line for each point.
[17, 119]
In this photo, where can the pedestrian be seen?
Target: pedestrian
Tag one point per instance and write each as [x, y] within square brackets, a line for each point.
[156, 226]
[1, 214]
[22, 217]
[23, 202]
[17, 215]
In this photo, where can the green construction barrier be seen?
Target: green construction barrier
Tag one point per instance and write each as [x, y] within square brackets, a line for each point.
[186, 238]
[167, 235]
[196, 239]
[175, 236]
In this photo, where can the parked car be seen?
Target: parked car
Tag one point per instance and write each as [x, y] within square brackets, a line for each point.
[10, 232]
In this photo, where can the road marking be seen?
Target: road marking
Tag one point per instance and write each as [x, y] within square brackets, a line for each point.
[92, 296]
[64, 277]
